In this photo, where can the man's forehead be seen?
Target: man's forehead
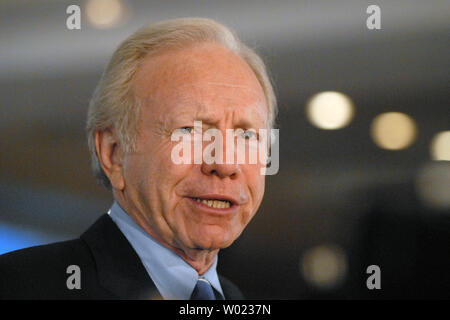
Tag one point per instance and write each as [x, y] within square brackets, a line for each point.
[210, 112]
[221, 92]
[253, 112]
[150, 90]
[226, 84]
[202, 65]
[188, 84]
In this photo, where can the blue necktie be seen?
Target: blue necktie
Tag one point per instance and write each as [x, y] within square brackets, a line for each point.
[203, 291]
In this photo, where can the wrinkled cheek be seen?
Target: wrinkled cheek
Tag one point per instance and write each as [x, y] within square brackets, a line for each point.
[184, 226]
[245, 217]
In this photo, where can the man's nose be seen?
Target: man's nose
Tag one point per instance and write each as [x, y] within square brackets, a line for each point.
[227, 164]
[222, 170]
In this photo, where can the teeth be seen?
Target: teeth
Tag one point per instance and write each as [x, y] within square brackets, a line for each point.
[215, 203]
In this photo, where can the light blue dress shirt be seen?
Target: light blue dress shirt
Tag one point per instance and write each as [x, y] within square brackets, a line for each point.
[174, 278]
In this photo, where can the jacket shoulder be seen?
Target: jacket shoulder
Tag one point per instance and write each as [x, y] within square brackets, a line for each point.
[27, 258]
[41, 272]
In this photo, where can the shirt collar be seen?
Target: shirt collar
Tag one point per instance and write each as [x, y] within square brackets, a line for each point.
[174, 277]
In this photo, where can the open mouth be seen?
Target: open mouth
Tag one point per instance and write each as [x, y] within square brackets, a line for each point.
[215, 203]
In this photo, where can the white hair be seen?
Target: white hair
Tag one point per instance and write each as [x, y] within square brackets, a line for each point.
[114, 105]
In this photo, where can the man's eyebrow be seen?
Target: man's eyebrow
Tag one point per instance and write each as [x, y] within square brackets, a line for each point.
[246, 124]
[198, 111]
[195, 111]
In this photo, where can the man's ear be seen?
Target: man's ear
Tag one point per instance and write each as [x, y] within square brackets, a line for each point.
[109, 154]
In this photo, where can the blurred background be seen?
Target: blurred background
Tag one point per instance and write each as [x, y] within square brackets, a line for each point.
[364, 125]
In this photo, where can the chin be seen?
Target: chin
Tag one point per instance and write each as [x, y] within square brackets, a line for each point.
[214, 241]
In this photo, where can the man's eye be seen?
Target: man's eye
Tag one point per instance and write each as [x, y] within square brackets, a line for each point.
[249, 134]
[186, 130]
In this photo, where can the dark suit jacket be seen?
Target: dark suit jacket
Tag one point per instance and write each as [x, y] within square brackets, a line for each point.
[110, 269]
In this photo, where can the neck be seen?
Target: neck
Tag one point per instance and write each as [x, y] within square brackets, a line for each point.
[200, 260]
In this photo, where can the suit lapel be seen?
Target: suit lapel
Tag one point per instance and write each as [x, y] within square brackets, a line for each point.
[230, 290]
[119, 268]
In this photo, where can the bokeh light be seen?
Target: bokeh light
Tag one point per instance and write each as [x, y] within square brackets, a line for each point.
[105, 13]
[440, 146]
[324, 266]
[330, 110]
[393, 130]
[433, 185]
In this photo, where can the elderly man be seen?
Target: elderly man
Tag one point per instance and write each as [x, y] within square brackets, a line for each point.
[161, 237]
